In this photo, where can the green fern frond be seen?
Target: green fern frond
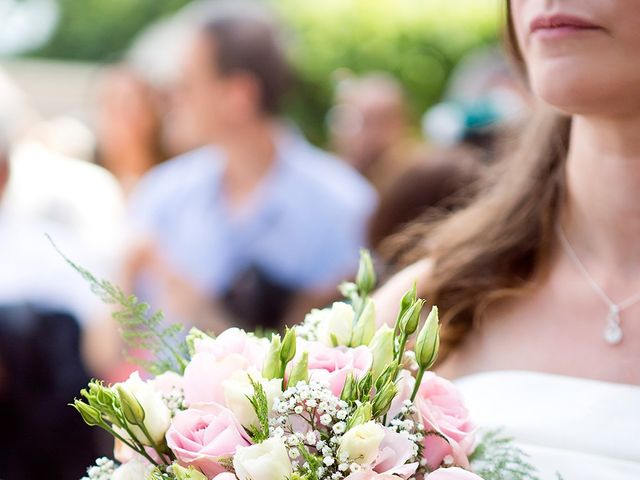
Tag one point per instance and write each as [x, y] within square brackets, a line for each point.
[139, 329]
[497, 458]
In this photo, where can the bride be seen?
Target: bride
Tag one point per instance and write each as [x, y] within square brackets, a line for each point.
[538, 280]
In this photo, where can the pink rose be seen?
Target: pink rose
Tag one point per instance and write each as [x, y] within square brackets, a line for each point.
[394, 453]
[225, 476]
[453, 473]
[332, 364]
[167, 382]
[370, 475]
[443, 412]
[235, 341]
[205, 374]
[204, 435]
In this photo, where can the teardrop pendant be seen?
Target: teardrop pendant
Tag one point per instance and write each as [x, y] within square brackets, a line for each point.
[613, 333]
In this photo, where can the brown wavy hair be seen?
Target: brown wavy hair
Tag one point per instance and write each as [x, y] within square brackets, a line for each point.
[500, 243]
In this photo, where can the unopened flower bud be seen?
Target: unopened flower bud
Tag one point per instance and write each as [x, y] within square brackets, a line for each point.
[381, 347]
[366, 277]
[131, 408]
[300, 371]
[365, 326]
[361, 415]
[428, 342]
[382, 399]
[90, 415]
[411, 318]
[349, 390]
[389, 374]
[194, 335]
[288, 348]
[271, 368]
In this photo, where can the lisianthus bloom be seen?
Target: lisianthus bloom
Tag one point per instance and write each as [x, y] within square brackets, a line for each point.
[205, 435]
[331, 365]
[268, 460]
[235, 341]
[442, 410]
[205, 375]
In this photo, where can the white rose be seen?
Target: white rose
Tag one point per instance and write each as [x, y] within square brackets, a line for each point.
[264, 461]
[157, 416]
[133, 470]
[362, 442]
[336, 323]
[238, 387]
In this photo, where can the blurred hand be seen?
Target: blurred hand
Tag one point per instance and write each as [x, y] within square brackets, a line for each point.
[181, 297]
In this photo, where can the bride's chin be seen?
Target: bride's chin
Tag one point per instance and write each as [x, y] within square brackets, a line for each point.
[580, 93]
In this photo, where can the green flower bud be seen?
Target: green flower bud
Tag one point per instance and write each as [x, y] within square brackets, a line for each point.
[131, 408]
[428, 342]
[365, 326]
[348, 290]
[90, 415]
[350, 389]
[193, 335]
[389, 374]
[288, 349]
[381, 347]
[382, 399]
[271, 367]
[360, 416]
[364, 386]
[366, 277]
[190, 473]
[411, 318]
[300, 371]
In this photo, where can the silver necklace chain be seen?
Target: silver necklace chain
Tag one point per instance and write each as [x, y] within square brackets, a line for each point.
[613, 331]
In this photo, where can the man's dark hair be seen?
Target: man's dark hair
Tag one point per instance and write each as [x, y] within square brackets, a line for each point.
[248, 41]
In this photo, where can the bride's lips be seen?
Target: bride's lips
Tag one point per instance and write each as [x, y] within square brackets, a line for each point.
[559, 25]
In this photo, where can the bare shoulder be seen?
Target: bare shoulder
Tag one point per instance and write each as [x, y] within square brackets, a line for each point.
[387, 297]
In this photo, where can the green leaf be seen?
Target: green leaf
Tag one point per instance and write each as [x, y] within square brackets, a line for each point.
[139, 328]
[259, 433]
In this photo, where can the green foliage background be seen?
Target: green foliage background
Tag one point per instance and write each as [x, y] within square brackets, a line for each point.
[419, 41]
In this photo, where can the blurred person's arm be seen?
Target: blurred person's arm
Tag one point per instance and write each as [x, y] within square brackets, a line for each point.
[183, 298]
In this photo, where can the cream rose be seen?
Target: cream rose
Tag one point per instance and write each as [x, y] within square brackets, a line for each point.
[335, 323]
[264, 461]
[133, 470]
[157, 416]
[361, 443]
[238, 388]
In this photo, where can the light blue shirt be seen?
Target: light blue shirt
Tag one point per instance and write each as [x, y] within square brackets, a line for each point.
[306, 224]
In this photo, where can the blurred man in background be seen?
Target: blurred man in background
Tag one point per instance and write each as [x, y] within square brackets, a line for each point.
[259, 225]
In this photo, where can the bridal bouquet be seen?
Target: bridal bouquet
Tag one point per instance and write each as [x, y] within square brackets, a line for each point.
[335, 398]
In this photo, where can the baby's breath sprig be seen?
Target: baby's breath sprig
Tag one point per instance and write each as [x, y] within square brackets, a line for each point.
[102, 470]
[313, 452]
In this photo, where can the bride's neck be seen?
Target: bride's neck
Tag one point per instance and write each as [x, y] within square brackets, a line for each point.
[603, 189]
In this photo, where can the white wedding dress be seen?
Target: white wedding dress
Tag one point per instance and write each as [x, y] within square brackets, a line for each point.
[578, 428]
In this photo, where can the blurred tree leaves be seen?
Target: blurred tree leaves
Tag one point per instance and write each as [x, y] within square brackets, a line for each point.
[102, 29]
[418, 41]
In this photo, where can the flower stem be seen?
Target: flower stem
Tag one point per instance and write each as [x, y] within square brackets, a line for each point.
[141, 451]
[153, 444]
[416, 387]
